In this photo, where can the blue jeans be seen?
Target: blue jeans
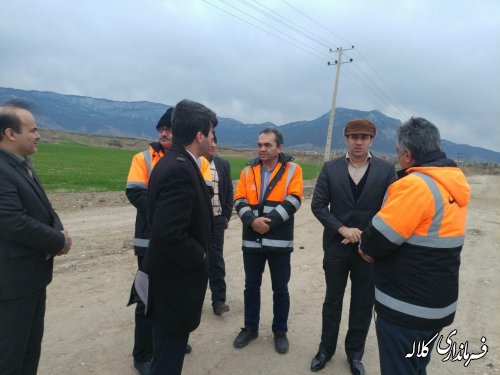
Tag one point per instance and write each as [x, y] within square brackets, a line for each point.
[395, 342]
[279, 267]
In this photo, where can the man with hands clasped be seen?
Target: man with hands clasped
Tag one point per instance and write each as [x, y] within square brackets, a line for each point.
[348, 193]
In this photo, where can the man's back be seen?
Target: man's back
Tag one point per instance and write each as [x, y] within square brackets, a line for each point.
[180, 215]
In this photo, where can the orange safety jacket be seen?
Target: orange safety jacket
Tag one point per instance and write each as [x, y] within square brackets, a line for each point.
[416, 239]
[137, 185]
[281, 199]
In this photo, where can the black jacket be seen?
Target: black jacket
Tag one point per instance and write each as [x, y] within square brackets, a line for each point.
[29, 230]
[180, 216]
[333, 202]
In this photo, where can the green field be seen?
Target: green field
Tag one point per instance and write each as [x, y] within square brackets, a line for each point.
[74, 167]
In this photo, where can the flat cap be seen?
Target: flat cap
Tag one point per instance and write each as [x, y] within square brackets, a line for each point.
[360, 126]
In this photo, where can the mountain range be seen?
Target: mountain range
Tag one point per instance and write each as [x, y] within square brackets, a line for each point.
[88, 115]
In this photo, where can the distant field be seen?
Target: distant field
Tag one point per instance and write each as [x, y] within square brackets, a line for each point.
[77, 167]
[73, 167]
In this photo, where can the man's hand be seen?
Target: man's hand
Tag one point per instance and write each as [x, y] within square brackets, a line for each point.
[260, 225]
[365, 257]
[351, 235]
[68, 242]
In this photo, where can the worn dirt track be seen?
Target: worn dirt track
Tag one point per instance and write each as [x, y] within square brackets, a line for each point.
[89, 329]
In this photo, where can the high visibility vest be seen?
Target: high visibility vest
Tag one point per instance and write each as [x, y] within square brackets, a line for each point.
[416, 239]
[279, 202]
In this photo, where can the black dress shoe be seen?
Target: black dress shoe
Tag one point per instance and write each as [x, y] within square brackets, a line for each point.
[319, 361]
[244, 337]
[143, 368]
[357, 367]
[281, 342]
[189, 349]
[221, 308]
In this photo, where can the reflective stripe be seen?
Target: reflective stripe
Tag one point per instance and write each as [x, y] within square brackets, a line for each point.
[246, 171]
[147, 158]
[276, 243]
[243, 211]
[238, 201]
[291, 171]
[437, 219]
[267, 209]
[414, 310]
[282, 212]
[385, 197]
[387, 231]
[293, 201]
[253, 244]
[432, 239]
[437, 242]
[141, 242]
[209, 183]
[256, 213]
[136, 184]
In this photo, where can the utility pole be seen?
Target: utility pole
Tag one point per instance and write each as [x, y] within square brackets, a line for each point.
[338, 62]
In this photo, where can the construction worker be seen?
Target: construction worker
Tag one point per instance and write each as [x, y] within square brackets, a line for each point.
[268, 195]
[415, 242]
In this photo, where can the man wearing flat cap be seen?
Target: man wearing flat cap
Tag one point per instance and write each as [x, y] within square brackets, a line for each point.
[348, 193]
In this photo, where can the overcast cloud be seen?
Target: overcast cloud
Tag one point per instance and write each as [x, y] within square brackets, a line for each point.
[435, 59]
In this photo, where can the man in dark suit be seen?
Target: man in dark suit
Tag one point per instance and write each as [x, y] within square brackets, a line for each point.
[180, 217]
[349, 192]
[222, 203]
[31, 234]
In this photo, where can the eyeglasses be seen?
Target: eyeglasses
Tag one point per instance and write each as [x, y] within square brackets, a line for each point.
[164, 129]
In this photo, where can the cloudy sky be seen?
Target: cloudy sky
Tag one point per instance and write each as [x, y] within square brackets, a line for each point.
[266, 60]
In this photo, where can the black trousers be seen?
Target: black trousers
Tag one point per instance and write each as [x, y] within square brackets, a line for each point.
[396, 342]
[143, 334]
[21, 332]
[339, 263]
[280, 270]
[169, 353]
[217, 268]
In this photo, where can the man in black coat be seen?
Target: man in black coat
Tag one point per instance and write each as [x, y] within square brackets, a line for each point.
[180, 217]
[222, 203]
[31, 234]
[348, 193]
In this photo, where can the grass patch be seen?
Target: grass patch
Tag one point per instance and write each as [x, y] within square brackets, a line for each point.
[74, 167]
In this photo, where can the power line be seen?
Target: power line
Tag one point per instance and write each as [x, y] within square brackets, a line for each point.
[316, 22]
[299, 29]
[366, 80]
[404, 109]
[311, 49]
[378, 94]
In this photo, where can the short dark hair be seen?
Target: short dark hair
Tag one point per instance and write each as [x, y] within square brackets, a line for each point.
[278, 135]
[419, 136]
[9, 117]
[165, 120]
[189, 118]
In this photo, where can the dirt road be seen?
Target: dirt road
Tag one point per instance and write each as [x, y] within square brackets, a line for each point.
[89, 329]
